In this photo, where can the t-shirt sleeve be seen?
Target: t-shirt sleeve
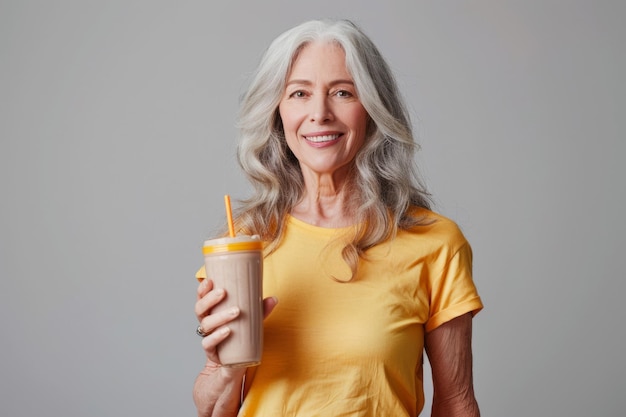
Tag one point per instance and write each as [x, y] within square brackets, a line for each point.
[201, 274]
[453, 292]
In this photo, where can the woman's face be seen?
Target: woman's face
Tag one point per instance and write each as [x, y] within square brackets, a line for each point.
[323, 119]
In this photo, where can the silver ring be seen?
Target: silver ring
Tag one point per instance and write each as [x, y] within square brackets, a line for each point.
[200, 333]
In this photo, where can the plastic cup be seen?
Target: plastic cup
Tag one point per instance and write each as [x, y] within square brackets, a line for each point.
[236, 264]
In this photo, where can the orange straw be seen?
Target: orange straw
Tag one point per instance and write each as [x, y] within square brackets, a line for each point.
[229, 216]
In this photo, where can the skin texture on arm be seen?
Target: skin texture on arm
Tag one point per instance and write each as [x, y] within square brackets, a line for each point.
[218, 393]
[449, 349]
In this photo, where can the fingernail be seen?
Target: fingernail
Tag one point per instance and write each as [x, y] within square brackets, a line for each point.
[219, 292]
[234, 311]
[224, 331]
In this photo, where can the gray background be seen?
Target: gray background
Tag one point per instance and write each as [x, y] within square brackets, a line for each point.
[117, 145]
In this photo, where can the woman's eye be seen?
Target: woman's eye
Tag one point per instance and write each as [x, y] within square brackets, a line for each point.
[298, 94]
[343, 93]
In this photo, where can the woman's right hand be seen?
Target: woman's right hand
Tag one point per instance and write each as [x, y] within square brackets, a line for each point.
[215, 326]
[217, 389]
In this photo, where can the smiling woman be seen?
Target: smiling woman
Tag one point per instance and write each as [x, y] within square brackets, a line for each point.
[368, 277]
[324, 125]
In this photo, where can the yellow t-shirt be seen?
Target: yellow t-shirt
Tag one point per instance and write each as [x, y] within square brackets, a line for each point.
[355, 349]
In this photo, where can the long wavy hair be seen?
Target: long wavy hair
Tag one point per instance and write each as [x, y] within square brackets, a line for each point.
[385, 180]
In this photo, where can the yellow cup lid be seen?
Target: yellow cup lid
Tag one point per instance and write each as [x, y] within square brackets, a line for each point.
[232, 244]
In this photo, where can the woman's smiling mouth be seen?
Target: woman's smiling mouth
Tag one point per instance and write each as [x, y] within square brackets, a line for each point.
[322, 138]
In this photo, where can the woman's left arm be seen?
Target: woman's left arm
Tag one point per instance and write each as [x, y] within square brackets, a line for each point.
[449, 349]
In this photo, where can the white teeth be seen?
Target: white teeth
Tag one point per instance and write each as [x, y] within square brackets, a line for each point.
[324, 138]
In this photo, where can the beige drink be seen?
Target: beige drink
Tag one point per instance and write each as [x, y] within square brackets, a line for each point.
[236, 264]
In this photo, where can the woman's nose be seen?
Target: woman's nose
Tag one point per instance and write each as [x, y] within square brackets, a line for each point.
[321, 111]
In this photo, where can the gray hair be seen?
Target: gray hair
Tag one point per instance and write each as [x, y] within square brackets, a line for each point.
[385, 180]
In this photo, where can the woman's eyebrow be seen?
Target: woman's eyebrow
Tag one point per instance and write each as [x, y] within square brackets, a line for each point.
[307, 82]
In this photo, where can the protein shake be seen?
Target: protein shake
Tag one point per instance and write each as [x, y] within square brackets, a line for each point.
[236, 264]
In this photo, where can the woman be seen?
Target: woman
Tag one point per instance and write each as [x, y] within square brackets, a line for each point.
[367, 276]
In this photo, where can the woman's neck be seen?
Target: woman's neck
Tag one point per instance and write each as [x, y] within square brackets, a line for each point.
[325, 202]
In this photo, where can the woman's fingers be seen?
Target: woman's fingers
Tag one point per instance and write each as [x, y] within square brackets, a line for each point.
[268, 305]
[215, 324]
[211, 322]
[210, 342]
[203, 287]
[209, 299]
